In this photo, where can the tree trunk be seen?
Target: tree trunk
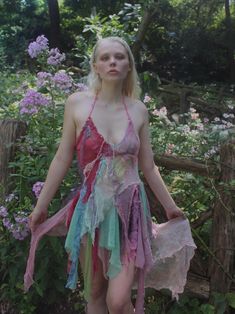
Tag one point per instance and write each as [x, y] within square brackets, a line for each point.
[223, 228]
[54, 14]
[143, 27]
[184, 105]
[10, 132]
[230, 41]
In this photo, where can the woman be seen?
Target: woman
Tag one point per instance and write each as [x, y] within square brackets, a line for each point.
[109, 223]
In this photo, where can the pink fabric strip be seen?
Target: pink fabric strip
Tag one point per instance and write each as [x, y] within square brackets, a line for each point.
[139, 303]
[56, 226]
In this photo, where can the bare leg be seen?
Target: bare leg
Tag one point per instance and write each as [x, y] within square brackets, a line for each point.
[119, 291]
[97, 302]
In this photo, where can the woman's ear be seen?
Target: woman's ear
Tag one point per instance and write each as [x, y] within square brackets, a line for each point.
[95, 67]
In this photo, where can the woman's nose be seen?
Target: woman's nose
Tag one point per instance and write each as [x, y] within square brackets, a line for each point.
[112, 60]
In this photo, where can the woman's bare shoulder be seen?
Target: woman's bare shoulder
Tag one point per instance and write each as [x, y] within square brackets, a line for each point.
[138, 112]
[79, 98]
[138, 107]
[78, 106]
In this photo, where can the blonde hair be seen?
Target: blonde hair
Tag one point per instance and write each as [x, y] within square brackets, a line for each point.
[131, 86]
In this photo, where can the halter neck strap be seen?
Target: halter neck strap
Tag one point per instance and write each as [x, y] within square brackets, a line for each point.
[93, 104]
[125, 105]
[123, 101]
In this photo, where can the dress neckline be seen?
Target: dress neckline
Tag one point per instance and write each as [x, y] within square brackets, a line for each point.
[89, 118]
[103, 138]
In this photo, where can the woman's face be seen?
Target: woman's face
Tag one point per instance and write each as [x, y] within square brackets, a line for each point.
[112, 61]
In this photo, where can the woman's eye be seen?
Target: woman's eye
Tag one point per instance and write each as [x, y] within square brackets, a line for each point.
[104, 58]
[120, 57]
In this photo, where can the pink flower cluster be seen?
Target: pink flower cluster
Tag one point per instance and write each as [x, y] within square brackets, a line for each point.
[20, 228]
[162, 112]
[37, 47]
[32, 101]
[37, 188]
[147, 99]
[55, 57]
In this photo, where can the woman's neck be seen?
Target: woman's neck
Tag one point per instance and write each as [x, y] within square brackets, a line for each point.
[111, 94]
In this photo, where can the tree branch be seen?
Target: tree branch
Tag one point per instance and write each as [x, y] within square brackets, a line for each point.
[186, 164]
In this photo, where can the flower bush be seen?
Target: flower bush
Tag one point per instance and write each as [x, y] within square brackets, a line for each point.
[39, 101]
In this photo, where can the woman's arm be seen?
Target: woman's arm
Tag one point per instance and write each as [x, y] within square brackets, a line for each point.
[151, 172]
[58, 167]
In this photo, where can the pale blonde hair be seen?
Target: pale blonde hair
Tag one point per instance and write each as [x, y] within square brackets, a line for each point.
[131, 86]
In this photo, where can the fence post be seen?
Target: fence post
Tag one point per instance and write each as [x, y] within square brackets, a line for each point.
[10, 131]
[222, 268]
[184, 104]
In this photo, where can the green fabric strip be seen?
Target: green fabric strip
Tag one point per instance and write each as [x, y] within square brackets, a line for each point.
[87, 270]
[110, 239]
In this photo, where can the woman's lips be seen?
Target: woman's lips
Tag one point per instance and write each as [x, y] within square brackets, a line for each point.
[113, 71]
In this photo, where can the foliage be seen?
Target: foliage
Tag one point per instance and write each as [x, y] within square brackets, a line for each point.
[31, 164]
[16, 19]
[186, 305]
[186, 40]
[198, 139]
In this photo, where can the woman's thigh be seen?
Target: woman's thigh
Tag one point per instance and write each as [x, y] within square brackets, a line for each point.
[119, 288]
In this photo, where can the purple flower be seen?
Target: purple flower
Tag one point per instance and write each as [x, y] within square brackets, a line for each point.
[21, 219]
[80, 87]
[7, 223]
[37, 187]
[38, 46]
[62, 81]
[55, 57]
[43, 78]
[42, 41]
[20, 229]
[3, 211]
[32, 101]
[20, 232]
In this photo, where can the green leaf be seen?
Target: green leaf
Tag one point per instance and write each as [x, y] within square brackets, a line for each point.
[39, 290]
[230, 297]
[207, 309]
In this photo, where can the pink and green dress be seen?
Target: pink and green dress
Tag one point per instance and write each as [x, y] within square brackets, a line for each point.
[110, 215]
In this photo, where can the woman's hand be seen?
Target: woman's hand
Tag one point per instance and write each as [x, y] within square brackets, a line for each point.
[36, 218]
[174, 213]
